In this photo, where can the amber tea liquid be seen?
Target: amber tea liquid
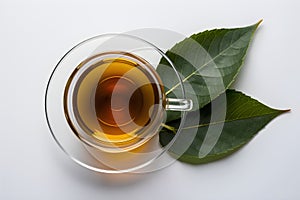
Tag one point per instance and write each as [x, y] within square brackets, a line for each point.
[116, 100]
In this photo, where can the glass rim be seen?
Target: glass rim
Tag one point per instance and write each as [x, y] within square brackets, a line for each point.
[74, 122]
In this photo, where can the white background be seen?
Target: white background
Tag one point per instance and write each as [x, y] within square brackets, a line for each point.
[35, 34]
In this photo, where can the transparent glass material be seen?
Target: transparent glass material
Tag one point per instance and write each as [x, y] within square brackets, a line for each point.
[112, 143]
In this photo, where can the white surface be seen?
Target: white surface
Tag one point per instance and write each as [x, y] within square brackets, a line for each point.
[35, 34]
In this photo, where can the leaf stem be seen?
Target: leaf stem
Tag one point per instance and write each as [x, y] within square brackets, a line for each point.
[169, 128]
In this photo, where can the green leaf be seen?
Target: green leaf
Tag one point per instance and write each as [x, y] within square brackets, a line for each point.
[244, 118]
[208, 63]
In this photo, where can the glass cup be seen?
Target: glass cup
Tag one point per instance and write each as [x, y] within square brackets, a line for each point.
[106, 103]
[115, 101]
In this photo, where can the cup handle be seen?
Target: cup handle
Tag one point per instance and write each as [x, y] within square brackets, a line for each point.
[179, 104]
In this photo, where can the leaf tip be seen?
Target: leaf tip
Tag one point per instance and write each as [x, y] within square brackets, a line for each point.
[280, 112]
[286, 111]
[259, 22]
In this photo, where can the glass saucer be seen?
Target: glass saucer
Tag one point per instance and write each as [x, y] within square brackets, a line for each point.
[149, 157]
